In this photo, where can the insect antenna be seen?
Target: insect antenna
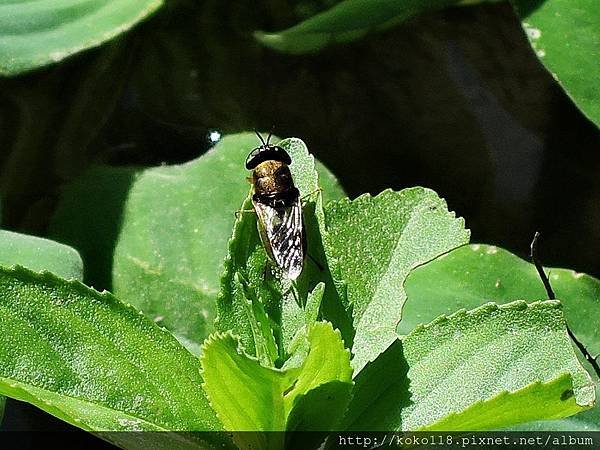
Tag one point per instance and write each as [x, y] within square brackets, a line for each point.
[261, 138]
[270, 134]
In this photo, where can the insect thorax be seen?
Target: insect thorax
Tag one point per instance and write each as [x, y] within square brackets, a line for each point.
[272, 177]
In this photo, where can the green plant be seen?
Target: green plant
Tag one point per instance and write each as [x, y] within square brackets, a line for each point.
[390, 327]
[323, 354]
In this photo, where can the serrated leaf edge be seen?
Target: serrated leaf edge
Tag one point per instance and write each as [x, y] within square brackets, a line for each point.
[486, 309]
[45, 276]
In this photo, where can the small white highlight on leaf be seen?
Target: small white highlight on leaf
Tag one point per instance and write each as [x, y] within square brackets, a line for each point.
[131, 424]
[476, 247]
[159, 318]
[497, 284]
[532, 32]
[492, 250]
[57, 56]
[214, 136]
[541, 53]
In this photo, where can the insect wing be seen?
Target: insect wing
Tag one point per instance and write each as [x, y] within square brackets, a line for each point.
[281, 232]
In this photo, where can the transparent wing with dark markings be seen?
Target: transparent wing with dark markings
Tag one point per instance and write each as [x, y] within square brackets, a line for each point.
[281, 233]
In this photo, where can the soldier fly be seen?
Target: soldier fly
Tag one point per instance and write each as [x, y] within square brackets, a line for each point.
[278, 206]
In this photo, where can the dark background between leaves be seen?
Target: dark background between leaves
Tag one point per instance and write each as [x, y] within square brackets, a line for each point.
[455, 101]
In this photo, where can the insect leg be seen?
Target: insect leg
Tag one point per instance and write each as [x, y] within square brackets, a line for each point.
[266, 271]
[241, 211]
[304, 197]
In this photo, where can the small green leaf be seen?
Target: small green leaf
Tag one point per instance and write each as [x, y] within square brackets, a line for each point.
[39, 254]
[160, 234]
[346, 21]
[250, 397]
[377, 241]
[565, 35]
[277, 309]
[475, 274]
[94, 362]
[41, 32]
[468, 370]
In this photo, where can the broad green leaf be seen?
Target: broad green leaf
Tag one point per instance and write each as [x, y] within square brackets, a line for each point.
[94, 362]
[565, 35]
[349, 20]
[34, 33]
[39, 254]
[377, 241]
[488, 368]
[256, 302]
[89, 217]
[160, 234]
[250, 397]
[475, 274]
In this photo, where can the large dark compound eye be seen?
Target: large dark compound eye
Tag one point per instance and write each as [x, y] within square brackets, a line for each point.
[267, 153]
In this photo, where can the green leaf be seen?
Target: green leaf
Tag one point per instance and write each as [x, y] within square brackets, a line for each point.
[483, 369]
[377, 241]
[37, 33]
[94, 362]
[346, 21]
[250, 397]
[565, 35]
[261, 306]
[89, 216]
[472, 275]
[39, 254]
[161, 233]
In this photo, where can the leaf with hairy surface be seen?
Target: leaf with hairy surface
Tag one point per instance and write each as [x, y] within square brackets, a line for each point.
[377, 241]
[488, 368]
[96, 363]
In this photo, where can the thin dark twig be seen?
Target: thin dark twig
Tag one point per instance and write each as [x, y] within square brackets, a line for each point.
[540, 269]
[593, 361]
